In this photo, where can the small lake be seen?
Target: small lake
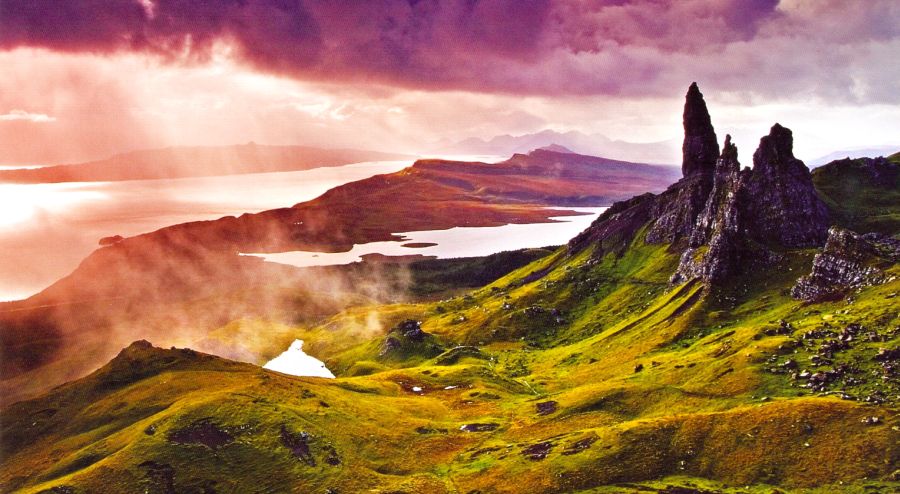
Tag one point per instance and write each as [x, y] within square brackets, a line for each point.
[455, 242]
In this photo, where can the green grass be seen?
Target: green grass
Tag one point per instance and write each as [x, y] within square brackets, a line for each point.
[856, 201]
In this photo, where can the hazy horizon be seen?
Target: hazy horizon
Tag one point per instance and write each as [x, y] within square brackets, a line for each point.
[412, 76]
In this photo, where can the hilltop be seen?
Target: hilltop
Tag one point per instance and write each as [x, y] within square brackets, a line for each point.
[672, 347]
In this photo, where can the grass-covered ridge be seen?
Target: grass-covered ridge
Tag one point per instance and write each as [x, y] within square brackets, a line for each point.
[862, 194]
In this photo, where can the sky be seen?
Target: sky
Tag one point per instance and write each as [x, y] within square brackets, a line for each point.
[84, 79]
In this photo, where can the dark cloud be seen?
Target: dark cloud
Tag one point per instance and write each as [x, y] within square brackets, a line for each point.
[547, 47]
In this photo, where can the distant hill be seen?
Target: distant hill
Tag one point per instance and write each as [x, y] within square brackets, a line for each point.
[180, 162]
[854, 153]
[556, 148]
[662, 152]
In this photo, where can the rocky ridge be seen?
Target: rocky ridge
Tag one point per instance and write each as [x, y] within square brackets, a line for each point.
[720, 216]
[849, 261]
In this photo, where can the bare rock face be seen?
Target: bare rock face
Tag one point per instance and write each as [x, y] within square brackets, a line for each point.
[785, 208]
[848, 261]
[717, 243]
[676, 209]
[701, 148]
[614, 230]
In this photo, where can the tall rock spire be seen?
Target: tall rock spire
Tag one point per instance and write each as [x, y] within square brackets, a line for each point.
[701, 148]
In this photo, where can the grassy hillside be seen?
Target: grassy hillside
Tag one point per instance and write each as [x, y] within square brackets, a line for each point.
[575, 373]
[862, 194]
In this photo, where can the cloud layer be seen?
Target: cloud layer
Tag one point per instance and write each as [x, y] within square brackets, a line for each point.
[569, 47]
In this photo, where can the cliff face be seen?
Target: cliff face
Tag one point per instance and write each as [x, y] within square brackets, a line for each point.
[849, 261]
[784, 206]
[722, 217]
[701, 148]
[676, 210]
[719, 226]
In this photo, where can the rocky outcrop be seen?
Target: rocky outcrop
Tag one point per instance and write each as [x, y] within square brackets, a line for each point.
[848, 261]
[677, 208]
[785, 208]
[408, 339]
[716, 244]
[675, 211]
[720, 217]
[614, 230]
[701, 148]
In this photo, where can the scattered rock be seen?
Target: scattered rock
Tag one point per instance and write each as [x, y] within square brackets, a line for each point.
[887, 355]
[298, 444]
[204, 432]
[546, 407]
[59, 489]
[539, 451]
[479, 427]
[160, 477]
[408, 338]
[429, 430]
[579, 446]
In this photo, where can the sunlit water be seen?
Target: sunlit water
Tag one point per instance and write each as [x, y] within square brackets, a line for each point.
[47, 229]
[455, 242]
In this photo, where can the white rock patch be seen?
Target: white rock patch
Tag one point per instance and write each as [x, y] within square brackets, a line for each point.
[296, 362]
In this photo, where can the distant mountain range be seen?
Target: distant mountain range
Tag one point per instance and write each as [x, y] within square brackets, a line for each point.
[180, 162]
[662, 152]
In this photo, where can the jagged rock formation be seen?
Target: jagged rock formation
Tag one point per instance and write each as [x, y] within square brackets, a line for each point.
[679, 205]
[718, 228]
[701, 148]
[720, 216]
[785, 208]
[848, 261]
